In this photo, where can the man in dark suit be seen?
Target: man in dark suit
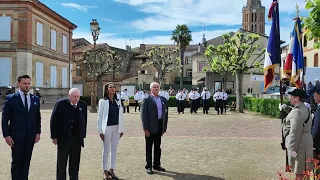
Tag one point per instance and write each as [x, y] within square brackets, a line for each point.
[316, 124]
[21, 127]
[154, 116]
[68, 127]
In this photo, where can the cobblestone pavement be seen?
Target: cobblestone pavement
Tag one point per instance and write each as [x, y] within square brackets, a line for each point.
[195, 147]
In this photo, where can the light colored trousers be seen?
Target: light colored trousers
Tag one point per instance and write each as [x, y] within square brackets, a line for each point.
[110, 145]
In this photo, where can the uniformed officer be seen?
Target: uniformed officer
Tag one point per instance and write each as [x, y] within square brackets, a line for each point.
[180, 96]
[205, 95]
[224, 100]
[193, 96]
[217, 97]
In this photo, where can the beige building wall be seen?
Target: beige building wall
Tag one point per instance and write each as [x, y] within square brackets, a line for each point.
[311, 55]
[47, 63]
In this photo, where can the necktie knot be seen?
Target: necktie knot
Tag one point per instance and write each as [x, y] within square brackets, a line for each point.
[25, 94]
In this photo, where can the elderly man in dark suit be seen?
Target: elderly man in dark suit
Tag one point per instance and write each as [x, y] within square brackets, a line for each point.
[68, 129]
[154, 116]
[21, 126]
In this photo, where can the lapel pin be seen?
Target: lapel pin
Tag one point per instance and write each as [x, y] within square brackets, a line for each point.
[80, 109]
[35, 103]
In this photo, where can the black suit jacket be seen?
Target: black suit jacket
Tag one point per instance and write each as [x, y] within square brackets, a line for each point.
[316, 129]
[149, 114]
[16, 121]
[61, 120]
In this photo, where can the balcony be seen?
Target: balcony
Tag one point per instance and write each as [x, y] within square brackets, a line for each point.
[184, 79]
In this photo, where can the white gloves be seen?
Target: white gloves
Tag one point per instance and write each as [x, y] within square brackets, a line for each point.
[283, 106]
[293, 154]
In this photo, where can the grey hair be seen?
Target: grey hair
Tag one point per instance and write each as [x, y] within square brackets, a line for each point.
[153, 83]
[73, 90]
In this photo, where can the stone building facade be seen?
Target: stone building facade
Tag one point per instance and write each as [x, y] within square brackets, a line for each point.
[35, 40]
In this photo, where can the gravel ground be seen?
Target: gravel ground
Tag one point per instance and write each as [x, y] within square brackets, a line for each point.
[195, 147]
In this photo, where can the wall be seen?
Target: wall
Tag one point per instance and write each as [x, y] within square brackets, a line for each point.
[47, 62]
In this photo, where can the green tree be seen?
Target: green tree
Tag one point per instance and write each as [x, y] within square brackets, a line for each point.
[233, 56]
[106, 63]
[312, 23]
[182, 36]
[164, 60]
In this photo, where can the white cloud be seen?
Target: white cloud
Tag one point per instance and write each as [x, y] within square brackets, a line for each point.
[74, 7]
[139, 2]
[120, 42]
[165, 14]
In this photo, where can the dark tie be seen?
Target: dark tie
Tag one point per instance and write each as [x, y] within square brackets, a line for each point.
[25, 102]
[75, 106]
[205, 95]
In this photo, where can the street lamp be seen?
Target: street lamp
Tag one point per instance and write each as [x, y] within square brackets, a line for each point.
[95, 30]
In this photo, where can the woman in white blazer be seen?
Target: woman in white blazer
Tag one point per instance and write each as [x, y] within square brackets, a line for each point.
[111, 127]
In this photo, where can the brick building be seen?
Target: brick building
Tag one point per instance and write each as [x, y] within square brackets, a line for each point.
[35, 40]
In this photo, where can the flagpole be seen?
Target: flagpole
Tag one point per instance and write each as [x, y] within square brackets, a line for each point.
[279, 52]
[304, 68]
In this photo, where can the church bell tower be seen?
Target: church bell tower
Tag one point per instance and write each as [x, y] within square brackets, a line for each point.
[253, 17]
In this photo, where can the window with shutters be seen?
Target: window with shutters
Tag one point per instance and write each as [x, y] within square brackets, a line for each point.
[201, 65]
[64, 77]
[53, 76]
[316, 60]
[5, 30]
[53, 39]
[39, 74]
[64, 44]
[39, 38]
[5, 71]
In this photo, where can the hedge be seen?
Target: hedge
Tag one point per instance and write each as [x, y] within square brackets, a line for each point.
[269, 107]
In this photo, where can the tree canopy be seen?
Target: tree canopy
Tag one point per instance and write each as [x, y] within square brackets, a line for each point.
[164, 60]
[312, 23]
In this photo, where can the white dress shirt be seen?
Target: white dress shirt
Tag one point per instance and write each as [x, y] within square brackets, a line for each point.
[28, 98]
[205, 95]
[180, 96]
[224, 96]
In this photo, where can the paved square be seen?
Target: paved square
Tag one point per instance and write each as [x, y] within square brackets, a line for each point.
[195, 147]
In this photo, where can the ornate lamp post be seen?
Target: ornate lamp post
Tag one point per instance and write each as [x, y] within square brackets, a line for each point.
[95, 30]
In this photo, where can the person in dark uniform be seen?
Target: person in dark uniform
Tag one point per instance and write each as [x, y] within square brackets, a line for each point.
[217, 97]
[9, 90]
[68, 127]
[205, 100]
[21, 127]
[225, 100]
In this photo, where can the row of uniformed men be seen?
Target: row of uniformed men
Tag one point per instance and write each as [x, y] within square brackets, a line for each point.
[219, 97]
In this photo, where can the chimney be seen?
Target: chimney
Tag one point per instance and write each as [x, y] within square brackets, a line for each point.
[142, 47]
[199, 47]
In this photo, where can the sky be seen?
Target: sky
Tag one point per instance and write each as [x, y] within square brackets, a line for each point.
[132, 22]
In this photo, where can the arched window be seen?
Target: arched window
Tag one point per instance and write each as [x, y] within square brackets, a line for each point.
[252, 27]
[255, 28]
[255, 17]
[251, 17]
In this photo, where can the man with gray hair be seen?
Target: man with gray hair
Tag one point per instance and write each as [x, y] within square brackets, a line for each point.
[68, 127]
[154, 116]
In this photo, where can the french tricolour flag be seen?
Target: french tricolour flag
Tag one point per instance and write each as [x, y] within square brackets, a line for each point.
[273, 47]
[294, 65]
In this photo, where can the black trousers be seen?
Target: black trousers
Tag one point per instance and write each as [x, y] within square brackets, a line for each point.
[155, 141]
[205, 103]
[219, 106]
[194, 106]
[21, 153]
[224, 105]
[68, 148]
[180, 106]
[136, 105]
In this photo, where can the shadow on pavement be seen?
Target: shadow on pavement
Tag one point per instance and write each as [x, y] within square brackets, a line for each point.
[186, 176]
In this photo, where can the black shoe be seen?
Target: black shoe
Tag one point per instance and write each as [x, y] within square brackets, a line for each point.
[149, 171]
[159, 168]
